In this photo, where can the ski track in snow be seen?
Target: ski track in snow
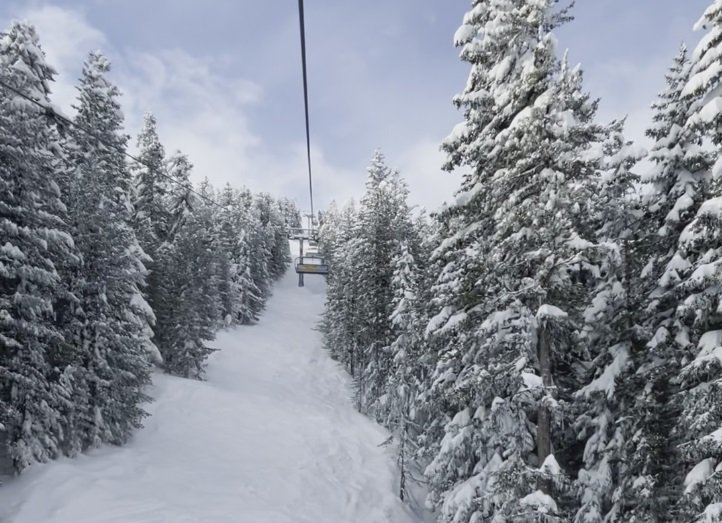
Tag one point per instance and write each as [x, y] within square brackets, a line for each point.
[272, 436]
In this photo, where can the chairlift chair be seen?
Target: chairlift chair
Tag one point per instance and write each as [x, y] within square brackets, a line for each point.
[313, 264]
[303, 234]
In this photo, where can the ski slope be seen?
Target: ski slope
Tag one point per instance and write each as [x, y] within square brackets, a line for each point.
[271, 437]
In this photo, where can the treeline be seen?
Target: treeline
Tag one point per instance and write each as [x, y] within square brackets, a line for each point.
[549, 345]
[108, 267]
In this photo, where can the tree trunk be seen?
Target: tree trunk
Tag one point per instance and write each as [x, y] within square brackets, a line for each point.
[544, 436]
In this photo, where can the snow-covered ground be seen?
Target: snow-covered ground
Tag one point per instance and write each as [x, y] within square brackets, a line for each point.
[271, 437]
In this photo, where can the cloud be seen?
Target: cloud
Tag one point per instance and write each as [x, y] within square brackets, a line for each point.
[201, 110]
[236, 109]
[66, 37]
[420, 165]
[638, 82]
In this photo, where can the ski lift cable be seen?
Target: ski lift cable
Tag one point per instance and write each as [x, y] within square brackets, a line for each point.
[305, 101]
[52, 112]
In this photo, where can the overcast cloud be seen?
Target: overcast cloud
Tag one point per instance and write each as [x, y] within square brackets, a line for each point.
[223, 78]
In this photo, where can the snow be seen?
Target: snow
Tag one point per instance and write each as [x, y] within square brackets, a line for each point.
[675, 267]
[699, 474]
[453, 322]
[704, 19]
[550, 311]
[540, 501]
[710, 348]
[606, 381]
[704, 273]
[717, 169]
[459, 132]
[579, 244]
[11, 251]
[464, 34]
[272, 436]
[437, 321]
[463, 198]
[531, 381]
[683, 203]
[715, 439]
[712, 208]
[551, 466]
[137, 301]
[712, 513]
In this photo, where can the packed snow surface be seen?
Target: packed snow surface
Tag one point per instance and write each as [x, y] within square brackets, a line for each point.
[271, 437]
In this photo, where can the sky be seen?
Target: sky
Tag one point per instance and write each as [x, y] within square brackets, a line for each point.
[223, 78]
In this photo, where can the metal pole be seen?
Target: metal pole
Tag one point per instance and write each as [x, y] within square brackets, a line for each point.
[300, 260]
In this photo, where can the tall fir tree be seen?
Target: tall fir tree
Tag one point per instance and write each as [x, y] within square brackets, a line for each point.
[113, 338]
[384, 221]
[517, 260]
[646, 489]
[696, 322]
[151, 212]
[610, 331]
[35, 243]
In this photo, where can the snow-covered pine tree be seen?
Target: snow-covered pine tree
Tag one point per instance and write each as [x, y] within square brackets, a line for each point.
[384, 221]
[403, 381]
[250, 298]
[648, 466]
[152, 217]
[181, 198]
[151, 212]
[34, 244]
[113, 339]
[361, 247]
[696, 266]
[516, 264]
[189, 279]
[329, 229]
[259, 252]
[290, 213]
[432, 411]
[190, 269]
[610, 331]
[232, 266]
[276, 234]
[343, 290]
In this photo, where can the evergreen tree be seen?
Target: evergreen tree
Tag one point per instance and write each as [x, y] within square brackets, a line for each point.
[229, 224]
[517, 260]
[188, 274]
[695, 325]
[192, 299]
[404, 379]
[259, 251]
[383, 223]
[181, 198]
[34, 243]
[611, 331]
[649, 476]
[342, 291]
[115, 351]
[151, 212]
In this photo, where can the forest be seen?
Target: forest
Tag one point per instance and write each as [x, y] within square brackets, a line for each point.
[109, 267]
[548, 346]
